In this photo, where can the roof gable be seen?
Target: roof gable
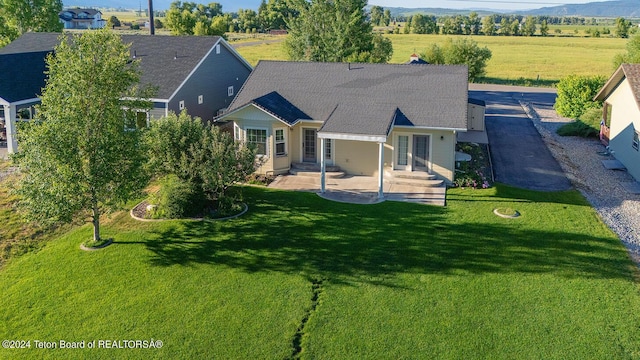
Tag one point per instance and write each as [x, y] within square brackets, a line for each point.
[365, 98]
[22, 75]
[166, 62]
[278, 106]
[631, 72]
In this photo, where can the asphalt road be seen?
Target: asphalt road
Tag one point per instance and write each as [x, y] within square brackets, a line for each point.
[519, 155]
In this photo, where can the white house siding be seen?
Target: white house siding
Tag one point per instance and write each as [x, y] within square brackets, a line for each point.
[625, 120]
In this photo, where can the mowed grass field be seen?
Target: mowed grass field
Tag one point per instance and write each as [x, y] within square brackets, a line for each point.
[525, 60]
[302, 276]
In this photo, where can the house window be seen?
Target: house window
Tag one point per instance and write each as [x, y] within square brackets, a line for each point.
[403, 150]
[636, 142]
[200, 99]
[237, 131]
[281, 148]
[606, 114]
[230, 91]
[218, 49]
[328, 149]
[181, 105]
[258, 137]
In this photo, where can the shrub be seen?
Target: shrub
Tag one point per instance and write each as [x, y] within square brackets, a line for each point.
[588, 125]
[473, 173]
[575, 94]
[176, 199]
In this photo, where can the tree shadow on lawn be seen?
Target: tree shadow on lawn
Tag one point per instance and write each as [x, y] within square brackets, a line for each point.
[372, 243]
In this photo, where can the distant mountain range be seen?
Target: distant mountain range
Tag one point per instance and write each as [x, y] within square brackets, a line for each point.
[622, 8]
[618, 8]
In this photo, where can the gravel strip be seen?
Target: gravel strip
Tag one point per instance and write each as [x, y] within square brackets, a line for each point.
[581, 159]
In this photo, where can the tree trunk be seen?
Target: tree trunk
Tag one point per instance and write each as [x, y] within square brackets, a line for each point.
[96, 222]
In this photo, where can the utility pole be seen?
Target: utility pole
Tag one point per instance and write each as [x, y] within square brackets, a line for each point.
[152, 28]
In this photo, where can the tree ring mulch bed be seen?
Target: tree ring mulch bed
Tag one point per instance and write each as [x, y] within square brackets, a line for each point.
[506, 213]
[139, 212]
[91, 248]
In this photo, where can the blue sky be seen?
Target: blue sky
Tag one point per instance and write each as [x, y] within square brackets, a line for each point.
[479, 4]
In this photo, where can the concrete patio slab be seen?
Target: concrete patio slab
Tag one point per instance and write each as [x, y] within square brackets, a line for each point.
[362, 189]
[632, 187]
[613, 165]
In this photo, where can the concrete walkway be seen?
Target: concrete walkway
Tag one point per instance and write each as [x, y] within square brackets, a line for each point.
[361, 189]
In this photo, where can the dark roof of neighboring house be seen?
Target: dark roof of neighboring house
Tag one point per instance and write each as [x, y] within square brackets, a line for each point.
[477, 102]
[629, 71]
[76, 12]
[21, 75]
[165, 61]
[364, 99]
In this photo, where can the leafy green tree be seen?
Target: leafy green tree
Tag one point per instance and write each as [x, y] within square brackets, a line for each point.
[622, 28]
[575, 94]
[273, 14]
[20, 16]
[505, 27]
[182, 17]
[632, 56]
[201, 155]
[515, 28]
[544, 28]
[376, 13]
[113, 21]
[331, 30]
[247, 20]
[460, 51]
[473, 24]
[78, 158]
[530, 27]
[386, 17]
[489, 25]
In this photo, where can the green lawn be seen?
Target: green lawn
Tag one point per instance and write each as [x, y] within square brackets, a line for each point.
[516, 59]
[391, 280]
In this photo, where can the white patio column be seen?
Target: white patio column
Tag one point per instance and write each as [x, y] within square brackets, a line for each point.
[381, 171]
[12, 133]
[322, 166]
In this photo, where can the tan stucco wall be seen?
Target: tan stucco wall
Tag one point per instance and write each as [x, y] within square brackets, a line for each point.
[353, 157]
[442, 150]
[625, 119]
[252, 117]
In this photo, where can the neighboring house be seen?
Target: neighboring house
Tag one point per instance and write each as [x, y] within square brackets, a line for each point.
[366, 119]
[21, 80]
[620, 126]
[81, 19]
[199, 73]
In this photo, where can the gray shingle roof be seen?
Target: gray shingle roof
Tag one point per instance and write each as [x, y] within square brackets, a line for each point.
[278, 106]
[165, 61]
[629, 71]
[364, 99]
[22, 75]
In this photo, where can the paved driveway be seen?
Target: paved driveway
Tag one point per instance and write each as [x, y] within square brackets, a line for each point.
[520, 157]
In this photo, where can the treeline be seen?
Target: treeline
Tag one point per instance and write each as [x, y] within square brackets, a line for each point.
[190, 18]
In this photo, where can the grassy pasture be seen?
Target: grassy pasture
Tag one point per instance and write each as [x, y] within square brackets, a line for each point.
[455, 282]
[515, 59]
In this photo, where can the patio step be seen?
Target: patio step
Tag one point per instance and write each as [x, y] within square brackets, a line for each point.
[417, 182]
[311, 173]
[313, 170]
[417, 175]
[314, 167]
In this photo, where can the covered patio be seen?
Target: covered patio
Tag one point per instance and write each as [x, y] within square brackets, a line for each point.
[362, 189]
